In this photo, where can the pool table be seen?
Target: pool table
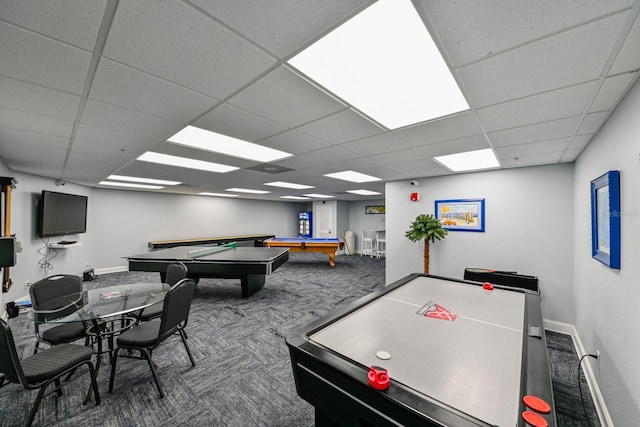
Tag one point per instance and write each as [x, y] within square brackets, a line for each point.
[456, 353]
[296, 244]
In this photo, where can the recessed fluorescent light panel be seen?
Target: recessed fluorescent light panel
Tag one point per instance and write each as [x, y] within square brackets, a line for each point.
[352, 176]
[131, 185]
[288, 185]
[218, 194]
[363, 192]
[384, 62]
[183, 162]
[294, 197]
[143, 180]
[319, 196]
[247, 190]
[202, 139]
[469, 161]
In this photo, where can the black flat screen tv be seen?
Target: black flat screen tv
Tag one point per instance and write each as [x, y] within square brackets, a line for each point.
[60, 214]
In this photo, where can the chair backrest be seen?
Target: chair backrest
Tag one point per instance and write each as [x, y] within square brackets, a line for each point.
[175, 272]
[177, 303]
[368, 234]
[54, 287]
[9, 360]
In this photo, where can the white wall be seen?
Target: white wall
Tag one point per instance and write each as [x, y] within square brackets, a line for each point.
[359, 220]
[607, 300]
[124, 221]
[528, 229]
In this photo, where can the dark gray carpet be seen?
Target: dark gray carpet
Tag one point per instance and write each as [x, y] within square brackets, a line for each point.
[243, 374]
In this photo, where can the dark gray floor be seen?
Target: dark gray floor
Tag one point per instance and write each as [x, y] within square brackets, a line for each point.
[243, 374]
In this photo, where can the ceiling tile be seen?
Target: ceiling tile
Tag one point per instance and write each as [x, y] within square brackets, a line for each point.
[593, 122]
[281, 26]
[378, 144]
[329, 155]
[232, 121]
[398, 157]
[458, 23]
[30, 141]
[565, 102]
[33, 58]
[539, 132]
[82, 165]
[347, 125]
[612, 91]
[132, 143]
[628, 58]
[149, 129]
[510, 152]
[542, 65]
[72, 21]
[35, 123]
[580, 141]
[470, 143]
[284, 97]
[36, 99]
[174, 41]
[450, 127]
[123, 86]
[294, 142]
[532, 160]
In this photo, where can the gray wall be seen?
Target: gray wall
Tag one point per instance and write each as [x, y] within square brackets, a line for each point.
[607, 314]
[120, 223]
[528, 228]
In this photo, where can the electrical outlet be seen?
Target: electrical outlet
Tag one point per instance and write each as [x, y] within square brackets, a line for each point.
[598, 359]
[27, 284]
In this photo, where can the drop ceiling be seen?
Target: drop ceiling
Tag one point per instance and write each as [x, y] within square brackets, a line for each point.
[87, 86]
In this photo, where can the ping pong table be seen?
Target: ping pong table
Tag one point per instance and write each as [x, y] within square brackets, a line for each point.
[249, 264]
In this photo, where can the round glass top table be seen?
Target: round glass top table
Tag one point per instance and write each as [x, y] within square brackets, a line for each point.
[103, 311]
[99, 304]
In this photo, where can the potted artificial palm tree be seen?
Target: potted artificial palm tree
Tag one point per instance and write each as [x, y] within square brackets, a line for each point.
[430, 229]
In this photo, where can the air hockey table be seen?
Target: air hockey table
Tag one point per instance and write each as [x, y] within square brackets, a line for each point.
[428, 351]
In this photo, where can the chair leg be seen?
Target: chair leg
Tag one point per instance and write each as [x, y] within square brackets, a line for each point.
[153, 371]
[94, 382]
[36, 404]
[58, 386]
[183, 335]
[113, 369]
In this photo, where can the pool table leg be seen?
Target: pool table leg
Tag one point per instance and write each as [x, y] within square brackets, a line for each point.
[251, 283]
[332, 259]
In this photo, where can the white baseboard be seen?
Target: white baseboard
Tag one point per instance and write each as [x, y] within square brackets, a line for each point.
[598, 400]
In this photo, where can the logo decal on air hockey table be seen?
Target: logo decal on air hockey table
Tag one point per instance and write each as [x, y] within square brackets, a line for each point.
[436, 311]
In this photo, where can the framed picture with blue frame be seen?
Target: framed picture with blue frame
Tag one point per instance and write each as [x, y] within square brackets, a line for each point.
[605, 219]
[461, 214]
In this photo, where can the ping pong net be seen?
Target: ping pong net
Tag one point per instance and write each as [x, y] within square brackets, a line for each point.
[197, 253]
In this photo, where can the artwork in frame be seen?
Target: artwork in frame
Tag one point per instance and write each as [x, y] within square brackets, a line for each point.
[605, 219]
[380, 209]
[461, 214]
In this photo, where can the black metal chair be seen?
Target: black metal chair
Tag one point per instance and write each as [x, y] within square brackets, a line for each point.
[41, 369]
[56, 288]
[147, 336]
[175, 272]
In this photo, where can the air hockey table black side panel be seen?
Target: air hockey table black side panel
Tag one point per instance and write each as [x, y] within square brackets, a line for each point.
[339, 391]
[506, 278]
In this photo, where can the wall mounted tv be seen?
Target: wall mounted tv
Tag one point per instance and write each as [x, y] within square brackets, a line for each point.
[60, 214]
